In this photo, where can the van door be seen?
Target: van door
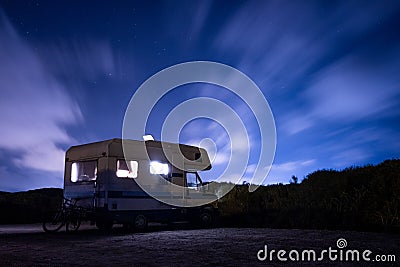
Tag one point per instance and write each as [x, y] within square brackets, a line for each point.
[177, 179]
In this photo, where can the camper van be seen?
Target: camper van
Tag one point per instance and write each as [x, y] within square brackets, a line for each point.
[135, 182]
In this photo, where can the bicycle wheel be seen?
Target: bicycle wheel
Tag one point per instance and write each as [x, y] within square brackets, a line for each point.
[54, 224]
[73, 223]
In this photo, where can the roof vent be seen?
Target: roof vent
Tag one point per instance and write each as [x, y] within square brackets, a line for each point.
[148, 137]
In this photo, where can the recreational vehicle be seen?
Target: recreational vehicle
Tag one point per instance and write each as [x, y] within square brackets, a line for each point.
[135, 182]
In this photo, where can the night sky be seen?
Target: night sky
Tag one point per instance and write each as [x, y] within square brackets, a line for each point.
[329, 70]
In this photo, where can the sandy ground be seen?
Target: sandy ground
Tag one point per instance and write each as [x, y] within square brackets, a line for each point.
[27, 245]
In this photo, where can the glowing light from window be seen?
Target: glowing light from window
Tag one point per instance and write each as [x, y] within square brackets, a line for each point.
[74, 172]
[158, 168]
[123, 170]
[84, 171]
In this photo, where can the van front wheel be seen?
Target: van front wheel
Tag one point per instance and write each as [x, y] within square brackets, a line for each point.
[206, 219]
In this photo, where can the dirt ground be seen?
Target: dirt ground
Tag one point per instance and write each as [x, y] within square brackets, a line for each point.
[161, 246]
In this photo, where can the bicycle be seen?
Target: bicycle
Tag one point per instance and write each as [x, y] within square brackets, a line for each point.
[69, 215]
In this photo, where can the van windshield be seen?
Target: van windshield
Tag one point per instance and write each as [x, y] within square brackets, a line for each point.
[193, 180]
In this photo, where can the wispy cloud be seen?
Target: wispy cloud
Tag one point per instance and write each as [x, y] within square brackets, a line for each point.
[269, 45]
[292, 165]
[282, 172]
[352, 89]
[250, 169]
[350, 156]
[194, 18]
[359, 146]
[296, 122]
[80, 59]
[36, 105]
[281, 42]
[199, 18]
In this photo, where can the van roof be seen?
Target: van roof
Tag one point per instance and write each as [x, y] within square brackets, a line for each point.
[149, 143]
[114, 148]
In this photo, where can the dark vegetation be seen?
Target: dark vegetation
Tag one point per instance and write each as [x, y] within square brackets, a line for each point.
[356, 198]
[30, 206]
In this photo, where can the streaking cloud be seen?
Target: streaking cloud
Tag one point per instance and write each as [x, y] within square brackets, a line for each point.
[35, 107]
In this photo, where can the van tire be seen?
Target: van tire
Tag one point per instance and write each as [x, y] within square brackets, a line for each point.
[206, 219]
[140, 222]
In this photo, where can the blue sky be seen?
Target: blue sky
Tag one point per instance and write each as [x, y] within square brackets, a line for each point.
[329, 70]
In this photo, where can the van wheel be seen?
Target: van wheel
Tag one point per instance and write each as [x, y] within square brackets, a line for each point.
[140, 222]
[206, 219]
[104, 225]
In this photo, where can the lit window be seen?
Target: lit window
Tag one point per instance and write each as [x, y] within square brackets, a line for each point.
[84, 171]
[127, 169]
[159, 168]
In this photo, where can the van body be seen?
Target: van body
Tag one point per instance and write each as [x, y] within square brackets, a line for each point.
[134, 182]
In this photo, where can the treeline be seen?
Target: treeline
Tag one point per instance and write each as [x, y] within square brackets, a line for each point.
[356, 198]
[29, 206]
